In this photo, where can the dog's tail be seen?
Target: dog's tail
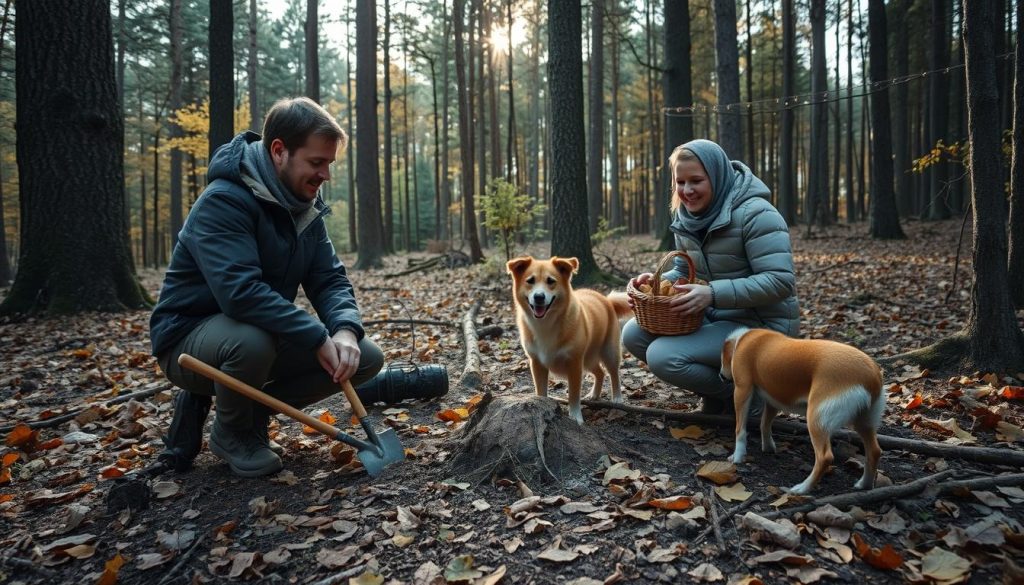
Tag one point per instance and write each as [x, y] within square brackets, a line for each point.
[621, 303]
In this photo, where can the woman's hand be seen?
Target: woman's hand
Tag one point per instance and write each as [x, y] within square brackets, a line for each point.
[691, 299]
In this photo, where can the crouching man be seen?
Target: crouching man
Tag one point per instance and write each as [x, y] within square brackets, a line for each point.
[255, 234]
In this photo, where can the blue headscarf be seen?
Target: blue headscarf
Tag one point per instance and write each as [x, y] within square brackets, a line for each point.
[722, 175]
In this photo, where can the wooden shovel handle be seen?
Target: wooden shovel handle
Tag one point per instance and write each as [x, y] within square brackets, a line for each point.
[241, 387]
[353, 399]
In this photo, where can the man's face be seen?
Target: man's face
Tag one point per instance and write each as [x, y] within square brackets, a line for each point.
[303, 170]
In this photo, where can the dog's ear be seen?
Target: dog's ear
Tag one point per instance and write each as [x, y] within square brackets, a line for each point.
[567, 266]
[517, 266]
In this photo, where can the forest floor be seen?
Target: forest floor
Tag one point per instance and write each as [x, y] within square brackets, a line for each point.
[636, 517]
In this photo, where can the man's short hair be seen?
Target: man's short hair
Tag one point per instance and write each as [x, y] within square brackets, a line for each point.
[294, 120]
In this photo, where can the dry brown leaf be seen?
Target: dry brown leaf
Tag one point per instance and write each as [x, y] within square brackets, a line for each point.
[578, 508]
[719, 472]
[782, 556]
[110, 570]
[672, 503]
[366, 578]
[690, 432]
[733, 493]
[808, 574]
[706, 572]
[891, 522]
[885, 558]
[944, 566]
[558, 555]
[492, 579]
[990, 499]
[22, 437]
[1008, 432]
[620, 471]
[461, 569]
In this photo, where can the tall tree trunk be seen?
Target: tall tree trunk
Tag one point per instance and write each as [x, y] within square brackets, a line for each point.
[407, 221]
[313, 51]
[389, 205]
[5, 263]
[122, 38]
[958, 116]
[615, 197]
[175, 129]
[222, 74]
[787, 162]
[75, 250]
[995, 341]
[492, 102]
[851, 208]
[1015, 259]
[511, 143]
[350, 106]
[885, 222]
[677, 87]
[817, 192]
[751, 142]
[371, 227]
[728, 77]
[533, 128]
[595, 136]
[465, 144]
[938, 108]
[901, 105]
[255, 116]
[569, 236]
[837, 145]
[445, 232]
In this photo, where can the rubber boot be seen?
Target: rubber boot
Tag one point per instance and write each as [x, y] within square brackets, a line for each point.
[243, 451]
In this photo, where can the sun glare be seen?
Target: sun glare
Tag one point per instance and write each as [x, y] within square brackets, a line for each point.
[499, 40]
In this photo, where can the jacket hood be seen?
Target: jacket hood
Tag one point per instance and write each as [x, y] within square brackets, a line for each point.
[226, 162]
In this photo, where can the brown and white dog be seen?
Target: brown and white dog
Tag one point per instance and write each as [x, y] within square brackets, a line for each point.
[566, 332]
[832, 383]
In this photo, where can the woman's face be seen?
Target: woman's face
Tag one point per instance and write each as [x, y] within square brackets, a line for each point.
[692, 186]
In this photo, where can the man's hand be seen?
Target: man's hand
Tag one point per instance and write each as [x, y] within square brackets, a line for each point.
[339, 355]
[695, 298]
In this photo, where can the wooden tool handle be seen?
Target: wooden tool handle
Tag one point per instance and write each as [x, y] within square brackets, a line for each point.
[353, 399]
[241, 387]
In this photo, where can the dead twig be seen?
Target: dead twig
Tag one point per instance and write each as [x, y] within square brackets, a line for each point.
[715, 520]
[169, 576]
[57, 420]
[863, 497]
[988, 455]
[409, 322]
[728, 515]
[339, 577]
[471, 377]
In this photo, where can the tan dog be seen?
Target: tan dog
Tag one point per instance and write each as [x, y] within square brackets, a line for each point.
[833, 383]
[566, 332]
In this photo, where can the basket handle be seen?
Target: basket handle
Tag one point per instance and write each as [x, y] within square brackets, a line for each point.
[656, 288]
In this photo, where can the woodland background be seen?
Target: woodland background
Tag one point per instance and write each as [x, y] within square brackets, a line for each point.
[889, 132]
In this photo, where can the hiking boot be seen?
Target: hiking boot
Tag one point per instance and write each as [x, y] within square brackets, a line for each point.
[261, 427]
[396, 383]
[243, 451]
[184, 439]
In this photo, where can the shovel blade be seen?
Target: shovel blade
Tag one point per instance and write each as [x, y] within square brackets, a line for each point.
[376, 458]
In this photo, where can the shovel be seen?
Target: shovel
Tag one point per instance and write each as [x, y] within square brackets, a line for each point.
[382, 449]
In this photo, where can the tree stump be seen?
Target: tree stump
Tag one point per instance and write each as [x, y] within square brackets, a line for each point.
[525, 437]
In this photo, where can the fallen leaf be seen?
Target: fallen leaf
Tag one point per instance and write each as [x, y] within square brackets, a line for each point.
[672, 503]
[512, 545]
[578, 508]
[494, 578]
[147, 561]
[366, 578]
[665, 555]
[719, 472]
[241, 563]
[620, 471]
[890, 522]
[481, 505]
[558, 555]
[706, 572]
[165, 489]
[782, 556]
[950, 426]
[915, 402]
[829, 515]
[690, 432]
[535, 525]
[809, 574]
[1012, 392]
[942, 565]
[733, 493]
[402, 540]
[844, 552]
[990, 499]
[453, 414]
[334, 559]
[10, 458]
[886, 558]
[461, 569]
[110, 569]
[1010, 433]
[22, 437]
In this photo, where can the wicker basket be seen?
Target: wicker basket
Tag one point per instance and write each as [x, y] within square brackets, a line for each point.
[652, 309]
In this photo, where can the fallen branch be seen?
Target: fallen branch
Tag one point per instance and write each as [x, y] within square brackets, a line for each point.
[471, 372]
[169, 576]
[417, 268]
[56, 420]
[409, 322]
[932, 485]
[716, 520]
[339, 577]
[989, 455]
